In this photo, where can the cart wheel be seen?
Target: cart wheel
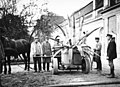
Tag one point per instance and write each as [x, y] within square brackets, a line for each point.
[85, 65]
[55, 66]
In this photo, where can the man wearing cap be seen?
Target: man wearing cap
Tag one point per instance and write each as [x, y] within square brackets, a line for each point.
[97, 54]
[111, 54]
[47, 52]
[56, 47]
[36, 52]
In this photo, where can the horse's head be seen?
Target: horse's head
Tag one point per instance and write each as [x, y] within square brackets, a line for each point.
[5, 41]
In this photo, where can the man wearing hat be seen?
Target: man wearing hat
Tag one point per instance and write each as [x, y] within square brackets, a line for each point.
[56, 47]
[47, 52]
[111, 54]
[97, 55]
[36, 53]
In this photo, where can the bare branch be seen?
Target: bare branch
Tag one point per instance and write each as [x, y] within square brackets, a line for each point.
[26, 8]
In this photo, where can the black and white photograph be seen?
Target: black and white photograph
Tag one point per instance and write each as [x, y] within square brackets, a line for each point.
[59, 43]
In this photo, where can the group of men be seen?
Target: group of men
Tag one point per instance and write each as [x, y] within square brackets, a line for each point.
[41, 51]
[111, 54]
[44, 51]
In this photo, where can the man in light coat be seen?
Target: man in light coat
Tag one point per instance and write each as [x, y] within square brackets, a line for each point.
[36, 53]
[97, 50]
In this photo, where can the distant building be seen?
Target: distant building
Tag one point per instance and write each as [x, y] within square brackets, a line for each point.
[92, 19]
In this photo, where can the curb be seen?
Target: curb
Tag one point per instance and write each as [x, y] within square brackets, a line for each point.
[85, 84]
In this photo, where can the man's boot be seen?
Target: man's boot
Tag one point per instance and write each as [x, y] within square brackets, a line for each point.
[112, 73]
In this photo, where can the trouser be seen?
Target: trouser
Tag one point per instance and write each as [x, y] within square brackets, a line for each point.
[99, 64]
[37, 60]
[0, 72]
[47, 66]
[59, 61]
[58, 56]
[111, 64]
[1, 67]
[0, 81]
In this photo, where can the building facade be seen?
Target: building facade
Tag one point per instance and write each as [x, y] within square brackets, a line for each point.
[92, 19]
[111, 17]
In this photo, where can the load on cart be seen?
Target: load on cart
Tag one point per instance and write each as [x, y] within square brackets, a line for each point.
[70, 57]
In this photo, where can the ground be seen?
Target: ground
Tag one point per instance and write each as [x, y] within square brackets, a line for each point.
[21, 78]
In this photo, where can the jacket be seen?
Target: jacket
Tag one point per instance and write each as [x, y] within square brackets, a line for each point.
[111, 50]
[36, 49]
[97, 50]
[46, 48]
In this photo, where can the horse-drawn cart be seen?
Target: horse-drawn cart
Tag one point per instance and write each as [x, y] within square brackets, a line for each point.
[71, 58]
[74, 57]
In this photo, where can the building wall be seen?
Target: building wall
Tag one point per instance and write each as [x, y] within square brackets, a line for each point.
[92, 20]
[113, 25]
[118, 34]
[98, 33]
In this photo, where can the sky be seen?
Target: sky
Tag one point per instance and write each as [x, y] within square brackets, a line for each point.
[60, 7]
[66, 7]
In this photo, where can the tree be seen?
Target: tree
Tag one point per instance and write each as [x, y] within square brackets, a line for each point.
[13, 25]
[45, 25]
[26, 16]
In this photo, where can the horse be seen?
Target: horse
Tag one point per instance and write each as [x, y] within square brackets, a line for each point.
[15, 48]
[2, 56]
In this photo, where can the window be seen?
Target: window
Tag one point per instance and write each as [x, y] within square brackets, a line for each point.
[87, 9]
[117, 1]
[112, 2]
[112, 24]
[98, 4]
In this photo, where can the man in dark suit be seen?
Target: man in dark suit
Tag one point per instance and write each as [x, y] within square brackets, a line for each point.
[47, 52]
[111, 54]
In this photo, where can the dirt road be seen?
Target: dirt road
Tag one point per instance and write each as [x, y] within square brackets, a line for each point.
[21, 78]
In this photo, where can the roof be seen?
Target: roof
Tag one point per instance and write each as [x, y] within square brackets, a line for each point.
[110, 8]
[57, 19]
[84, 10]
